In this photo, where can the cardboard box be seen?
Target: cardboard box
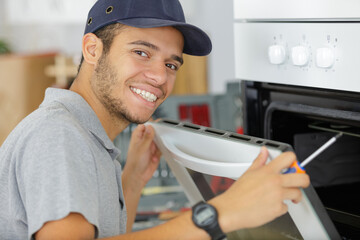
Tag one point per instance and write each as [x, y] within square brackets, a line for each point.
[22, 87]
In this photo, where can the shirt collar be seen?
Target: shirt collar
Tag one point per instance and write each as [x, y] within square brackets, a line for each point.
[82, 111]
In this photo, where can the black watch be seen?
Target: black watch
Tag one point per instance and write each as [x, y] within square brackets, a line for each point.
[205, 217]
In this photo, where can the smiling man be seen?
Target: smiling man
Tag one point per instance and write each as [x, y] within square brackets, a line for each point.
[128, 82]
[59, 177]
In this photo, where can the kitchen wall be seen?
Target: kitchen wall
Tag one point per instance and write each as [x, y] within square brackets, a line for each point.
[216, 18]
[213, 16]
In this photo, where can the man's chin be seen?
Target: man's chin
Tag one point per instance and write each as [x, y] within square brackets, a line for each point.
[137, 119]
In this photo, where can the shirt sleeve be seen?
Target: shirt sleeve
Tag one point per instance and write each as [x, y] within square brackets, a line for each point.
[57, 175]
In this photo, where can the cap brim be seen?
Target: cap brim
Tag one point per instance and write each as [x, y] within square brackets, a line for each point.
[196, 41]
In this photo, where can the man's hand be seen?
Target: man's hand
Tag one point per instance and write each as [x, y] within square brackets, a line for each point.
[142, 160]
[257, 197]
[143, 155]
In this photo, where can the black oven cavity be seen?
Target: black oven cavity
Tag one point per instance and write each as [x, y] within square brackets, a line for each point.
[306, 118]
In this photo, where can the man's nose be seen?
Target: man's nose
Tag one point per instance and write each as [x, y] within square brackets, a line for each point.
[157, 72]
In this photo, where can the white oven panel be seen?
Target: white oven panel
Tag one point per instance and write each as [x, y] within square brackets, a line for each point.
[304, 10]
[313, 54]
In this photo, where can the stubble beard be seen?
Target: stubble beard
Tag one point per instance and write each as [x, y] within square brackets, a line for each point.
[105, 78]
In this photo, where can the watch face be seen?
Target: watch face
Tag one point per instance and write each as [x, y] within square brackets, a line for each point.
[204, 215]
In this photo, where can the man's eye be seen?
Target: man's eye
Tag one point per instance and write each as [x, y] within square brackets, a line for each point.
[171, 66]
[141, 53]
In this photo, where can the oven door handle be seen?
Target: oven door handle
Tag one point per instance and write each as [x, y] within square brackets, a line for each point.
[212, 167]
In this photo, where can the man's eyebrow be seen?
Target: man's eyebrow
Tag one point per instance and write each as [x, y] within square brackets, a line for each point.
[152, 46]
[177, 58]
[144, 43]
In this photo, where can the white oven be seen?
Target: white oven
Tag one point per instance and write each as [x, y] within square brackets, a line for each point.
[299, 65]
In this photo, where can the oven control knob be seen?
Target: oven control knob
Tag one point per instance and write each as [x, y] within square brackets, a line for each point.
[299, 55]
[276, 54]
[325, 57]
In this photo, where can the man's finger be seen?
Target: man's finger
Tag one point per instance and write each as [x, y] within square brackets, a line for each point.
[148, 136]
[260, 159]
[293, 194]
[283, 161]
[138, 132]
[295, 180]
[142, 136]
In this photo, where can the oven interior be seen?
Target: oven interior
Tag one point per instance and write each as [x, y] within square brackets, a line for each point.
[306, 118]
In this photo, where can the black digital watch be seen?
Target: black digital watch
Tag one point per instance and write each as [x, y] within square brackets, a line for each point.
[205, 217]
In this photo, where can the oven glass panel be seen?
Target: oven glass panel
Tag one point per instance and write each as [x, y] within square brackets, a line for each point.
[281, 228]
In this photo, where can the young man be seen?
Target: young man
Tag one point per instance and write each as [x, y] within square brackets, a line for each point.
[59, 178]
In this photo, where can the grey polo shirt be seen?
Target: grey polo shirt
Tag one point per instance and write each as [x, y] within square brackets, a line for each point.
[58, 160]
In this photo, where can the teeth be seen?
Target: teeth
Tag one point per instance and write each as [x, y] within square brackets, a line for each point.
[148, 96]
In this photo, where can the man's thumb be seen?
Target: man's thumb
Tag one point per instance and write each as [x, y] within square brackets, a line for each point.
[260, 159]
[148, 136]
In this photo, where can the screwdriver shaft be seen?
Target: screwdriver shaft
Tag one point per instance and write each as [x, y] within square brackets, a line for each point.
[320, 150]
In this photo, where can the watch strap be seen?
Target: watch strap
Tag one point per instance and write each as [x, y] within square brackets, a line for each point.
[216, 233]
[213, 229]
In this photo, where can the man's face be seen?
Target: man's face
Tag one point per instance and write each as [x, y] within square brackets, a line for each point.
[139, 72]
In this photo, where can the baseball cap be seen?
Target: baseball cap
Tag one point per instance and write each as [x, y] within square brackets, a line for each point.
[149, 14]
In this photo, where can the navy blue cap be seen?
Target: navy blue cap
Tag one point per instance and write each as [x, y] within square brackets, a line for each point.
[149, 14]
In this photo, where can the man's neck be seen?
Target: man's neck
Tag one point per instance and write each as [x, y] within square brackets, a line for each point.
[112, 124]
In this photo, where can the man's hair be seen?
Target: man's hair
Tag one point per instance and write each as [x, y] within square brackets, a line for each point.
[106, 35]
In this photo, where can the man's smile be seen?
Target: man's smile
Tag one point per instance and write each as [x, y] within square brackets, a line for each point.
[148, 96]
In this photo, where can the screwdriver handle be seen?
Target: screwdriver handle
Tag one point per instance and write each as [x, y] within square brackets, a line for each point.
[295, 168]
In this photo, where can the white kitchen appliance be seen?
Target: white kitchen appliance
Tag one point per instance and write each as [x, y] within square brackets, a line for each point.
[299, 65]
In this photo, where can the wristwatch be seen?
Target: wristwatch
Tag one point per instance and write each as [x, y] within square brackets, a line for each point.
[205, 217]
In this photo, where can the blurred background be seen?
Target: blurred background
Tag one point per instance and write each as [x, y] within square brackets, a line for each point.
[40, 47]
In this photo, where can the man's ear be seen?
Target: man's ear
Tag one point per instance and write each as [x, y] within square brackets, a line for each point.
[92, 48]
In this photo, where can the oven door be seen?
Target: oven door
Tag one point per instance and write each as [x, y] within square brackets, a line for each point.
[197, 154]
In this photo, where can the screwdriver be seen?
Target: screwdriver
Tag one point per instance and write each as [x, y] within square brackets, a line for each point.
[297, 167]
